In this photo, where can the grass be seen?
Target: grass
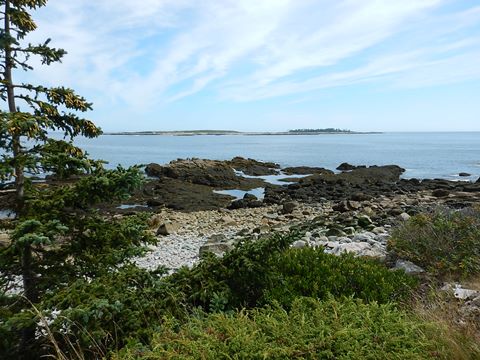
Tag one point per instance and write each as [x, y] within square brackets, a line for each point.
[444, 242]
[332, 329]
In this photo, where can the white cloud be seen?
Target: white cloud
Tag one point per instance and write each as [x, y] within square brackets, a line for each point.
[164, 50]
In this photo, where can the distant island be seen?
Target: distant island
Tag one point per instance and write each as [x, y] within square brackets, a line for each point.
[232, 132]
[320, 131]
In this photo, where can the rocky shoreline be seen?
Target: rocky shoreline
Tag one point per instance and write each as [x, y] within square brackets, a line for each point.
[350, 210]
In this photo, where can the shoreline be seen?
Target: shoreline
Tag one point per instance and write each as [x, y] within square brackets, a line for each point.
[235, 133]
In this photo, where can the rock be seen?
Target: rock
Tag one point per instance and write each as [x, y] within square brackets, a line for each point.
[335, 232]
[464, 174]
[382, 238]
[403, 217]
[362, 237]
[214, 173]
[167, 229]
[154, 202]
[305, 170]
[346, 167]
[364, 221]
[299, 244]
[261, 229]
[245, 203]
[341, 207]
[215, 238]
[409, 267]
[4, 240]
[219, 249]
[359, 249]
[288, 207]
[379, 230]
[271, 216]
[250, 197]
[353, 205]
[360, 196]
[440, 193]
[154, 170]
[463, 294]
[253, 167]
[350, 230]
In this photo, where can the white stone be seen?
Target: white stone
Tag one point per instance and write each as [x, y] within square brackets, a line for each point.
[408, 267]
[299, 244]
[403, 217]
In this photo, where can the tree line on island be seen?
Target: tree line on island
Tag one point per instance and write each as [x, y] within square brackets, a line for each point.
[325, 130]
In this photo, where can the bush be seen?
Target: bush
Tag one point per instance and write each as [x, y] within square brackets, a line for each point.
[311, 272]
[105, 313]
[347, 329]
[257, 273]
[444, 242]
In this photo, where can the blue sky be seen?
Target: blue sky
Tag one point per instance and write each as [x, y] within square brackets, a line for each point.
[253, 65]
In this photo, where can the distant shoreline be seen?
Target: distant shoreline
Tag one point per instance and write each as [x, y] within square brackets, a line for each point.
[238, 133]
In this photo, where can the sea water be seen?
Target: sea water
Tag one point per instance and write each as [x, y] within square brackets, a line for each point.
[423, 155]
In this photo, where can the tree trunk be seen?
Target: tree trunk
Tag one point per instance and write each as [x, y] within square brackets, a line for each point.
[29, 283]
[17, 147]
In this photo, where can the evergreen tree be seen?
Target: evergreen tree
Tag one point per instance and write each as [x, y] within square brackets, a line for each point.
[29, 116]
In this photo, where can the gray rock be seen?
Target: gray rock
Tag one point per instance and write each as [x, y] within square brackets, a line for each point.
[360, 249]
[465, 294]
[349, 230]
[271, 216]
[440, 193]
[362, 237]
[364, 221]
[219, 249]
[216, 238]
[4, 240]
[382, 238]
[379, 230]
[248, 196]
[168, 229]
[299, 244]
[335, 232]
[323, 238]
[464, 174]
[288, 207]
[403, 216]
[408, 267]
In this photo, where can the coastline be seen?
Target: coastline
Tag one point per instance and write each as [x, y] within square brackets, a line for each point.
[236, 133]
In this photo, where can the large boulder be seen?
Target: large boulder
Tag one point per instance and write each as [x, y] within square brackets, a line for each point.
[168, 229]
[253, 167]
[214, 173]
[306, 170]
[346, 167]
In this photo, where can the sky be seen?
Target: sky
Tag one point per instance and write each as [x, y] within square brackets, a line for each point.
[268, 65]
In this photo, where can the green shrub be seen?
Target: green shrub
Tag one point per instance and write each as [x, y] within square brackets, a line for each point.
[311, 272]
[444, 242]
[347, 329]
[105, 313]
[236, 280]
[257, 273]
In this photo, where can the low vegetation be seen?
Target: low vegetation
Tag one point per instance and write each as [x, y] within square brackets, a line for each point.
[444, 242]
[312, 329]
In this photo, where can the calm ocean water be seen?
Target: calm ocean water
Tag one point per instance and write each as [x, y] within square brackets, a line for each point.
[424, 155]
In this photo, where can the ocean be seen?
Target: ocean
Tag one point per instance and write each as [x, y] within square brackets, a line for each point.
[423, 155]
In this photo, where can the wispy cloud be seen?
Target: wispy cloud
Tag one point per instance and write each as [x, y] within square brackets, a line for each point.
[246, 50]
